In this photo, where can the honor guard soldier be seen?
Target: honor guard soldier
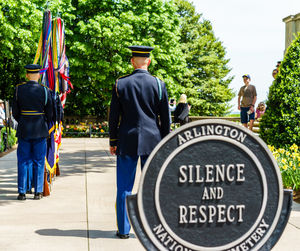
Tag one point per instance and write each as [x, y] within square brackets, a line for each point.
[138, 120]
[32, 108]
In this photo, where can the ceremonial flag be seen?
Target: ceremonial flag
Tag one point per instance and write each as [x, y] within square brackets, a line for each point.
[51, 54]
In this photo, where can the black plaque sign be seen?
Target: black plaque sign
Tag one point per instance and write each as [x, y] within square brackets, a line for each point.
[210, 185]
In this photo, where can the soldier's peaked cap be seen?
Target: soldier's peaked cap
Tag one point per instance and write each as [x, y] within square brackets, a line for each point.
[33, 68]
[140, 50]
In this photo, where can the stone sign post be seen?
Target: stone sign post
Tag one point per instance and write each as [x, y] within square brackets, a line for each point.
[292, 27]
[211, 185]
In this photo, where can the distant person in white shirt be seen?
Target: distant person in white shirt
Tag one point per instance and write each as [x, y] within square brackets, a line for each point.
[172, 107]
[2, 114]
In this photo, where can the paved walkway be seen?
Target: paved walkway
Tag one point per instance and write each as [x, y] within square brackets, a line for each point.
[79, 214]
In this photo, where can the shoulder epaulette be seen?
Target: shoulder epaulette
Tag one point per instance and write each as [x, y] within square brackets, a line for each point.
[158, 78]
[44, 86]
[124, 76]
[23, 83]
[116, 85]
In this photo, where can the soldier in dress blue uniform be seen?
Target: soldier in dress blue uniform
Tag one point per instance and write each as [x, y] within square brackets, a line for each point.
[138, 120]
[32, 108]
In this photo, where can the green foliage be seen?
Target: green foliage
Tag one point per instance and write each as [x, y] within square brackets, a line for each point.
[20, 24]
[187, 55]
[20, 28]
[11, 138]
[206, 81]
[289, 163]
[98, 51]
[280, 126]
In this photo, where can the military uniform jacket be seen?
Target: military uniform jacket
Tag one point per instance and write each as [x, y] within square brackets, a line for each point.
[136, 106]
[32, 108]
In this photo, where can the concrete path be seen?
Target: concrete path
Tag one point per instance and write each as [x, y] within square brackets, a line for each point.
[79, 214]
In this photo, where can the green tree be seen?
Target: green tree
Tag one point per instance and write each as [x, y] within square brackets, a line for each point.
[20, 23]
[98, 51]
[206, 82]
[20, 28]
[280, 126]
[187, 55]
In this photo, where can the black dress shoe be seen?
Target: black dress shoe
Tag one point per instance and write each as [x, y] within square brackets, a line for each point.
[122, 236]
[38, 196]
[21, 196]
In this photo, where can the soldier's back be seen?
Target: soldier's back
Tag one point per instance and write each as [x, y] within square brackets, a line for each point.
[31, 99]
[139, 95]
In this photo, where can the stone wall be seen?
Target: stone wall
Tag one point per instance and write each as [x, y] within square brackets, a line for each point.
[292, 26]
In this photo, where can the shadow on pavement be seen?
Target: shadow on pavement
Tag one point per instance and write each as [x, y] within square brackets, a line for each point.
[8, 184]
[93, 234]
[8, 198]
[77, 162]
[71, 163]
[4, 185]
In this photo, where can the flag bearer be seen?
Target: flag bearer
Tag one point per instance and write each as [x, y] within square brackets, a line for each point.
[139, 119]
[32, 108]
